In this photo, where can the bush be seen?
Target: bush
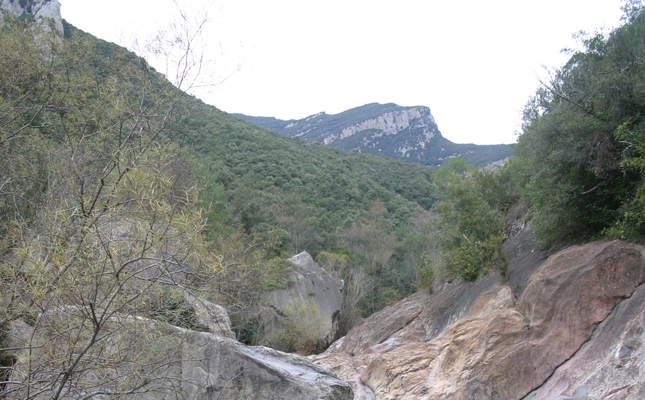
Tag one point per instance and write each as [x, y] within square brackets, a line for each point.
[471, 222]
[426, 274]
[303, 328]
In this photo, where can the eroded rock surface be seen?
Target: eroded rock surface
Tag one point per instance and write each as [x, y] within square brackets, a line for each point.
[497, 347]
[609, 366]
[179, 364]
[311, 285]
[45, 12]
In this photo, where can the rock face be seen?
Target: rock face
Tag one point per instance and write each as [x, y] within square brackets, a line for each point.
[183, 364]
[219, 368]
[45, 12]
[211, 315]
[610, 365]
[406, 133]
[575, 332]
[311, 285]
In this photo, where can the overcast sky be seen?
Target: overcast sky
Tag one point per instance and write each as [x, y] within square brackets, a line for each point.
[474, 63]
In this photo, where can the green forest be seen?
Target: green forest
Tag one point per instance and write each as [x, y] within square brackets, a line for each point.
[119, 191]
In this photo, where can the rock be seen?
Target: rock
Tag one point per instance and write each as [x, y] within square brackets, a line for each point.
[311, 287]
[45, 12]
[211, 315]
[611, 365]
[178, 364]
[405, 133]
[224, 369]
[375, 331]
[500, 349]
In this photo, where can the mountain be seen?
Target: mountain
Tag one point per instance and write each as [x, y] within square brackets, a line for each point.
[404, 133]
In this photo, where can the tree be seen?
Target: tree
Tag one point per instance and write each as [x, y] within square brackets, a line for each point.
[470, 230]
[373, 246]
[102, 217]
[576, 157]
[293, 216]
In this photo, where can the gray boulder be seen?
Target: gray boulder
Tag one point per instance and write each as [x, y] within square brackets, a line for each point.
[313, 294]
[211, 315]
[169, 363]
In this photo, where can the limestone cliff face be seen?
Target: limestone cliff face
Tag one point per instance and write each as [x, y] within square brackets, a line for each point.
[575, 331]
[406, 133]
[45, 12]
[390, 123]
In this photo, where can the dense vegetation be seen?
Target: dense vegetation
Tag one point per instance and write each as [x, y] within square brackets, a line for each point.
[108, 167]
[577, 171]
[579, 160]
[119, 193]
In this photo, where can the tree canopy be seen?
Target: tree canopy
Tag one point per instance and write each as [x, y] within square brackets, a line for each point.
[580, 156]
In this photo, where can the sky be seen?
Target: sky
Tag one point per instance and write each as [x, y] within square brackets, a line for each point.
[474, 63]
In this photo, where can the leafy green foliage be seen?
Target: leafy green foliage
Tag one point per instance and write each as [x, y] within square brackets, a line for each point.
[259, 169]
[579, 158]
[470, 222]
[427, 275]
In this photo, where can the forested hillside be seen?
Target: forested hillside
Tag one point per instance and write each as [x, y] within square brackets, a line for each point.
[120, 194]
[579, 161]
[577, 173]
[106, 165]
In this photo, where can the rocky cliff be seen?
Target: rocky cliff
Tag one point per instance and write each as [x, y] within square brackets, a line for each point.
[45, 13]
[406, 133]
[569, 326]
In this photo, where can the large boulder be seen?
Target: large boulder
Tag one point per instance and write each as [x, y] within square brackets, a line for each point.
[226, 369]
[159, 361]
[311, 292]
[211, 315]
[576, 331]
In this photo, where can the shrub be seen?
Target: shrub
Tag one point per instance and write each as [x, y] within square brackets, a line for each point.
[303, 328]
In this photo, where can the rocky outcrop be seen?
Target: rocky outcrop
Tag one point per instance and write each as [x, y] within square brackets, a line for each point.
[390, 123]
[576, 331]
[46, 13]
[176, 364]
[211, 315]
[223, 369]
[406, 133]
[611, 365]
[311, 287]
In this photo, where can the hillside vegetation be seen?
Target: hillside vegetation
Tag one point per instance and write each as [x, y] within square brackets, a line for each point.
[577, 172]
[119, 193]
[108, 167]
[579, 161]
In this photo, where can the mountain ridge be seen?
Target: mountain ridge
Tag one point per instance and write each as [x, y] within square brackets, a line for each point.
[399, 132]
